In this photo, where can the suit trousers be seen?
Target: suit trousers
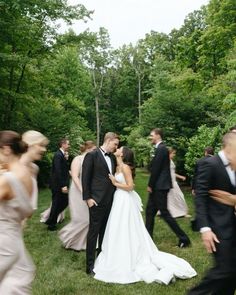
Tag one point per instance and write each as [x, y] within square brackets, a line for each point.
[59, 203]
[98, 216]
[220, 279]
[158, 201]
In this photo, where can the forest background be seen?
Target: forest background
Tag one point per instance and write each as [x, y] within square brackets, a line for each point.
[77, 85]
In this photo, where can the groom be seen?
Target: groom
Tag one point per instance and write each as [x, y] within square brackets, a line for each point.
[98, 191]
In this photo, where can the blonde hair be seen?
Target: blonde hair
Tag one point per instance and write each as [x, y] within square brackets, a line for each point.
[86, 146]
[33, 137]
[110, 136]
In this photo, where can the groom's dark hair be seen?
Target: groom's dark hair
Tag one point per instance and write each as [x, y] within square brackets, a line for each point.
[62, 141]
[158, 131]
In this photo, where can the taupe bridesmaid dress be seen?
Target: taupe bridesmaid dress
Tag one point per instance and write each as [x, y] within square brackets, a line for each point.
[74, 234]
[16, 267]
[176, 203]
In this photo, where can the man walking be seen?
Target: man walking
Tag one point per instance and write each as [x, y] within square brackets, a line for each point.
[59, 184]
[158, 187]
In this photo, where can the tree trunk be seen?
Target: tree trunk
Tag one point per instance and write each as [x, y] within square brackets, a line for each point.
[139, 100]
[97, 119]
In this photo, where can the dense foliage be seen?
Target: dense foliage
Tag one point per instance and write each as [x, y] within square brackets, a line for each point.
[79, 86]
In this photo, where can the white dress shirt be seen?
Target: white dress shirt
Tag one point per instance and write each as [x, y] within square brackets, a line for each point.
[107, 159]
[157, 144]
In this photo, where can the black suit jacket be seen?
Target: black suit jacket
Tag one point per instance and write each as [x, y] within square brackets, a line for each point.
[59, 172]
[198, 164]
[160, 178]
[95, 180]
[220, 218]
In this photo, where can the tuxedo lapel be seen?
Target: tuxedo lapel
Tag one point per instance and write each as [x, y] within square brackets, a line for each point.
[101, 157]
[224, 171]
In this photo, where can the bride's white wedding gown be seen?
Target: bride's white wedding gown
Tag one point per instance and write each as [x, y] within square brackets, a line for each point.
[128, 253]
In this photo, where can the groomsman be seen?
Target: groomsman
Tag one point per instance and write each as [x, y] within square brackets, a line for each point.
[217, 221]
[59, 183]
[98, 192]
[158, 187]
[208, 152]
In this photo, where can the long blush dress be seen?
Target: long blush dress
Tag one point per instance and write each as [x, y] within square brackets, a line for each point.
[176, 203]
[74, 234]
[16, 267]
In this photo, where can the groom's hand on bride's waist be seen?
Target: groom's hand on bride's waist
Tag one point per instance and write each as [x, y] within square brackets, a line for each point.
[91, 203]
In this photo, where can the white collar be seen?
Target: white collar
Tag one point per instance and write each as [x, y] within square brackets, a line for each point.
[157, 144]
[223, 158]
[62, 151]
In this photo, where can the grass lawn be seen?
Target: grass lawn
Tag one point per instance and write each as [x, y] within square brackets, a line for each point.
[62, 272]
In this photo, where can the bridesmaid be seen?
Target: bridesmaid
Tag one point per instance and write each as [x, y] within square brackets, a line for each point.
[16, 190]
[176, 202]
[37, 144]
[74, 234]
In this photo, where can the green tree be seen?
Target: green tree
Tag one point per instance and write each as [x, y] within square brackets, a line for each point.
[27, 32]
[95, 52]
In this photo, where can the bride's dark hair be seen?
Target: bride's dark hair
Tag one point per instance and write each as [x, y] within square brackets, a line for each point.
[128, 159]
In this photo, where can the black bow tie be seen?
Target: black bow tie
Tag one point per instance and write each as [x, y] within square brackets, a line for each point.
[105, 153]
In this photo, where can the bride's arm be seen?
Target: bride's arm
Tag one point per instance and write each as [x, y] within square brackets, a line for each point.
[75, 167]
[129, 185]
[223, 197]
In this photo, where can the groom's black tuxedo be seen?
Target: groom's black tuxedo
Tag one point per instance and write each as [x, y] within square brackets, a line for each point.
[97, 185]
[95, 180]
[220, 218]
[160, 183]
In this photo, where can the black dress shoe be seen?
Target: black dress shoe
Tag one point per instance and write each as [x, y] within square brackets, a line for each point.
[183, 243]
[52, 227]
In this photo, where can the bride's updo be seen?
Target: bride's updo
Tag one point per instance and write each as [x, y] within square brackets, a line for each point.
[128, 158]
[14, 141]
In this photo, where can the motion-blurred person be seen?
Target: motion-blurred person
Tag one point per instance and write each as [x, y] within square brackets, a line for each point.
[16, 191]
[217, 221]
[37, 144]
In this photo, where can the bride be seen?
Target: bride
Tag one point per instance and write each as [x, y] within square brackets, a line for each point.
[128, 253]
